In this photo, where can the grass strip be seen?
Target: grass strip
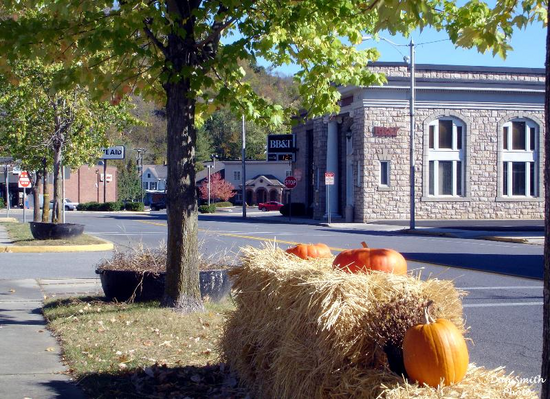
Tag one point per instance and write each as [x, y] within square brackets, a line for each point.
[20, 234]
[114, 349]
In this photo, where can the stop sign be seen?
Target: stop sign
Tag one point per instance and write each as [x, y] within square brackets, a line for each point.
[290, 182]
[24, 180]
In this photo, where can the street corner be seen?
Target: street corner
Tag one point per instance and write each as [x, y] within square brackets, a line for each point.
[8, 220]
[104, 245]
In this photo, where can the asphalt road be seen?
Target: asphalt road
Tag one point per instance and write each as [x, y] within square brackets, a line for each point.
[503, 308]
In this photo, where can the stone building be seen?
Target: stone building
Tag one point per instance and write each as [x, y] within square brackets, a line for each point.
[478, 147]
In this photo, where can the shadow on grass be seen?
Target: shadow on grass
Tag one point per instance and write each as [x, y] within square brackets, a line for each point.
[210, 381]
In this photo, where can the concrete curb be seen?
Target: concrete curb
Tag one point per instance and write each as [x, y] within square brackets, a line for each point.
[104, 246]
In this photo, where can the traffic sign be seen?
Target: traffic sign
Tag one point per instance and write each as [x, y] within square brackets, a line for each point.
[290, 182]
[329, 178]
[24, 180]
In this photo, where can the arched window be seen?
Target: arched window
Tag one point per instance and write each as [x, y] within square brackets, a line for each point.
[446, 158]
[520, 160]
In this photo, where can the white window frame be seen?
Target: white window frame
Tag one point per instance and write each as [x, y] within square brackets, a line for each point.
[237, 175]
[527, 156]
[455, 154]
[384, 164]
[146, 185]
[153, 185]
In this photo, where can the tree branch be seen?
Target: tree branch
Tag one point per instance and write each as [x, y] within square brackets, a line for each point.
[158, 44]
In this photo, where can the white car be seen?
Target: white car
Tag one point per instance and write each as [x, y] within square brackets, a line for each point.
[69, 205]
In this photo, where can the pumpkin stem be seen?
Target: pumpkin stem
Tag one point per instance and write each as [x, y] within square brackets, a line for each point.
[364, 244]
[427, 317]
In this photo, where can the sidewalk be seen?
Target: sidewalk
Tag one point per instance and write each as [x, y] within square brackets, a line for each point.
[31, 366]
[493, 233]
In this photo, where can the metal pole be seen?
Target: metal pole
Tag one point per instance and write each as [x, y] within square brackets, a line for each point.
[62, 193]
[412, 146]
[290, 205]
[104, 180]
[24, 207]
[208, 166]
[243, 177]
[328, 202]
[7, 191]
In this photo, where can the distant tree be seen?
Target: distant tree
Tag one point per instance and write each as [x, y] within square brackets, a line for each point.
[219, 188]
[43, 125]
[129, 185]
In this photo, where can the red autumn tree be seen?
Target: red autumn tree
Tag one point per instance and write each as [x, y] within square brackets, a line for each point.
[219, 188]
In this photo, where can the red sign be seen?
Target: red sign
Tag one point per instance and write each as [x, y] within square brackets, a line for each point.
[24, 180]
[290, 182]
[379, 131]
[329, 178]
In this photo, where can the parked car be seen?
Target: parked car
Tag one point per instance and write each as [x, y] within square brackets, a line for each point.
[270, 206]
[69, 205]
[158, 205]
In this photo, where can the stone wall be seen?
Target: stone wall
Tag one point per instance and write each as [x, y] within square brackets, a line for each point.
[481, 198]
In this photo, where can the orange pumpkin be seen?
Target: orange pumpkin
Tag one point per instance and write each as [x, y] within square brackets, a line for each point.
[435, 352]
[366, 259]
[306, 251]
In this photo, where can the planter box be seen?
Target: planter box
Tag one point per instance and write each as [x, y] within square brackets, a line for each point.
[122, 284]
[55, 231]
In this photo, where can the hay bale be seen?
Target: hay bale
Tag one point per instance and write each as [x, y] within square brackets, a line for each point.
[304, 330]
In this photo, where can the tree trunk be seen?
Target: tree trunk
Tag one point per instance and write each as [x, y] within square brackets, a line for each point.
[182, 290]
[57, 185]
[545, 372]
[37, 188]
[45, 198]
[182, 265]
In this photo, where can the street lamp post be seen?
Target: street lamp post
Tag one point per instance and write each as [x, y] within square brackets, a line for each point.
[412, 99]
[140, 152]
[412, 224]
[209, 169]
[243, 176]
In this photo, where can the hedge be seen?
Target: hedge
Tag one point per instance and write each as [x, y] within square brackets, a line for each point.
[207, 208]
[223, 204]
[97, 206]
[134, 206]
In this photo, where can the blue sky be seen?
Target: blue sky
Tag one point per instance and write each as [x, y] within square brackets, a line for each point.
[435, 48]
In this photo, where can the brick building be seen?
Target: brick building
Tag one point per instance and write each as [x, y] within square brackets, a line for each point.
[84, 184]
[478, 138]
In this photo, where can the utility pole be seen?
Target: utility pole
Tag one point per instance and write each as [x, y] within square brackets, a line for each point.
[243, 176]
[412, 224]
[140, 152]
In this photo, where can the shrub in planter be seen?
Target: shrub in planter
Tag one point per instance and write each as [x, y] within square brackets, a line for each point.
[2, 204]
[207, 208]
[298, 209]
[55, 231]
[134, 206]
[140, 276]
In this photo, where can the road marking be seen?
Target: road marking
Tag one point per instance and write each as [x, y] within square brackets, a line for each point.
[126, 234]
[495, 305]
[153, 223]
[246, 237]
[519, 287]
